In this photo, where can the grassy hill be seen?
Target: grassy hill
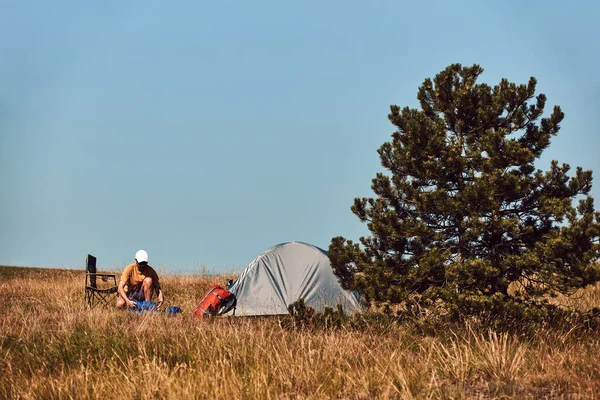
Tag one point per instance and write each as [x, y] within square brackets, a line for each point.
[52, 346]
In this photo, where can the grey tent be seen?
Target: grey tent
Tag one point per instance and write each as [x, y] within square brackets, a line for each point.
[285, 273]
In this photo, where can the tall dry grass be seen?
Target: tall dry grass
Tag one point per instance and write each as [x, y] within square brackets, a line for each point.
[51, 346]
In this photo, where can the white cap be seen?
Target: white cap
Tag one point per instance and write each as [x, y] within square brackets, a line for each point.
[141, 256]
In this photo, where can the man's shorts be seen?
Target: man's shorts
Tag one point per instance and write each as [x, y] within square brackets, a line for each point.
[136, 295]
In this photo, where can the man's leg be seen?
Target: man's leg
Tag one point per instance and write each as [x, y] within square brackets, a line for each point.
[120, 302]
[135, 295]
[147, 288]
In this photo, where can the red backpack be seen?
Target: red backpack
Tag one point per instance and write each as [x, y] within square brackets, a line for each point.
[216, 301]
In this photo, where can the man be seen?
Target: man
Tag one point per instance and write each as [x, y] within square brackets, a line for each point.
[138, 282]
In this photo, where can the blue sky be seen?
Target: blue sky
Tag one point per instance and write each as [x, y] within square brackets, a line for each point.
[207, 132]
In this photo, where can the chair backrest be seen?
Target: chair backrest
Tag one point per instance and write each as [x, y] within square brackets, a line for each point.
[90, 268]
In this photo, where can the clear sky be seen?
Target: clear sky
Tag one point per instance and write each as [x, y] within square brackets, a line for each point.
[207, 132]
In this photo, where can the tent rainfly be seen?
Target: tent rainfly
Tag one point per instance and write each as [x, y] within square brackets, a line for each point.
[285, 273]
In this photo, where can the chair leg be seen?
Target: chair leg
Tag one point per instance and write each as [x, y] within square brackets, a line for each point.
[88, 298]
[93, 298]
[97, 298]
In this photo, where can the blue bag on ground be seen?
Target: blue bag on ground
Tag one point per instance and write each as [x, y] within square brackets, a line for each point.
[173, 310]
[142, 307]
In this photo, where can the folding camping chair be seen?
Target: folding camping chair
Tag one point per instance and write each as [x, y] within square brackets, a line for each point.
[94, 295]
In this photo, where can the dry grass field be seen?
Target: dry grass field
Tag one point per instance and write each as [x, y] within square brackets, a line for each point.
[52, 347]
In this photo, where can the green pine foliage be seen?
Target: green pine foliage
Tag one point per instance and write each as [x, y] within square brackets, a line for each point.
[463, 214]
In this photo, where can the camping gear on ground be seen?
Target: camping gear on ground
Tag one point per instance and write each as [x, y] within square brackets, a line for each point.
[216, 301]
[142, 307]
[93, 294]
[286, 273]
[173, 310]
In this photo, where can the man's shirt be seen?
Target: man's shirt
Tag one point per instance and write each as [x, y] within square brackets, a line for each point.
[133, 277]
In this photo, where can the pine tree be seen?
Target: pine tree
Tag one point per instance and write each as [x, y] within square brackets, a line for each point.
[464, 214]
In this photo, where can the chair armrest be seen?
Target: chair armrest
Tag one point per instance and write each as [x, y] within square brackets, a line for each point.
[100, 274]
[104, 277]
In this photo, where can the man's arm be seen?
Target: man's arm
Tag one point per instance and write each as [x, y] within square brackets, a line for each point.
[121, 291]
[156, 285]
[160, 299]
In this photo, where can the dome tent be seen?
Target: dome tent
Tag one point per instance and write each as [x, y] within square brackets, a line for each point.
[285, 273]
